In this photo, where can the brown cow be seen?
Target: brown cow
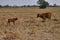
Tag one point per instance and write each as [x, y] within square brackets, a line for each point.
[44, 16]
[12, 20]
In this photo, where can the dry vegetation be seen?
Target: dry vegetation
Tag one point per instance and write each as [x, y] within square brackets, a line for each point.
[28, 26]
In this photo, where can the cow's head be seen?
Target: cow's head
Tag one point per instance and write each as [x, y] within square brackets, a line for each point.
[38, 15]
[15, 18]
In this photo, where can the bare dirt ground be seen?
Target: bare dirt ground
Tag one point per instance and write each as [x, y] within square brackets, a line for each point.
[28, 26]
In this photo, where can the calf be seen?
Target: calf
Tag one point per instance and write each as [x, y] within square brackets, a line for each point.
[12, 20]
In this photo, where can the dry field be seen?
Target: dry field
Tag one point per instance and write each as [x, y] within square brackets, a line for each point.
[28, 26]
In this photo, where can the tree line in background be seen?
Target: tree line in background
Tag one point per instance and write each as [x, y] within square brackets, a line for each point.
[41, 4]
[20, 6]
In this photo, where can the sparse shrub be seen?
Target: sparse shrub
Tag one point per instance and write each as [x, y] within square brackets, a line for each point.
[55, 19]
[42, 4]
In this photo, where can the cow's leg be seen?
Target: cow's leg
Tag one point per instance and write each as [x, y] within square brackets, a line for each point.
[44, 19]
[8, 23]
[49, 18]
[14, 22]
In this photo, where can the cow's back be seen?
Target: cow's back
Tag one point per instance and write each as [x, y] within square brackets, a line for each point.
[48, 15]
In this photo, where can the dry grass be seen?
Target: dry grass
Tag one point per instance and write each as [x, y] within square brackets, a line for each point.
[28, 26]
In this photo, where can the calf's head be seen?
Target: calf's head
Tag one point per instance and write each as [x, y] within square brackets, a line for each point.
[15, 19]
